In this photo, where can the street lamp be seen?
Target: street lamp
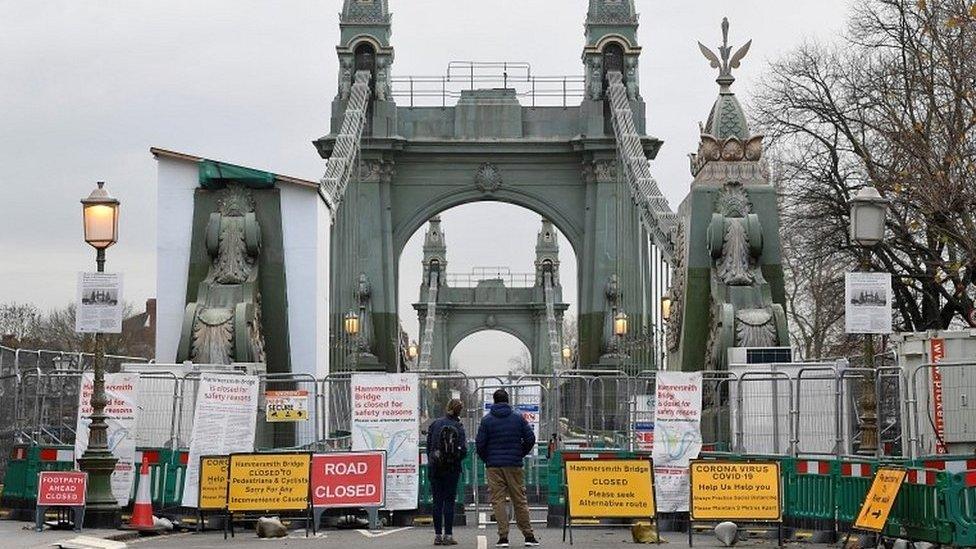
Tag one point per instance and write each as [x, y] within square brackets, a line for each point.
[100, 212]
[868, 211]
[666, 301]
[413, 351]
[621, 324]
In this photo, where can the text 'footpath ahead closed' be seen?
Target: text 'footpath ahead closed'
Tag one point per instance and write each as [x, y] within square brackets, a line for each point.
[610, 489]
[268, 482]
[723, 490]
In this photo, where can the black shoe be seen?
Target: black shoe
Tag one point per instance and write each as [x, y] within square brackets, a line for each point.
[502, 542]
[438, 540]
[531, 542]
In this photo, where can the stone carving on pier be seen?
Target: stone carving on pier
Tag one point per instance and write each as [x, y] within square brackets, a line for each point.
[224, 324]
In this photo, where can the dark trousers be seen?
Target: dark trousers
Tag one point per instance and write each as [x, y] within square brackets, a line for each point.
[443, 486]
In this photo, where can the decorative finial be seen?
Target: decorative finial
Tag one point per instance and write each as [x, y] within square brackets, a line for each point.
[725, 64]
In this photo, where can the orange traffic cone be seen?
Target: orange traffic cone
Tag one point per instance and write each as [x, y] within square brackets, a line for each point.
[142, 513]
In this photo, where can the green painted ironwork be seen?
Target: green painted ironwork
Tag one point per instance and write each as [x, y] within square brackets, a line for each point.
[216, 175]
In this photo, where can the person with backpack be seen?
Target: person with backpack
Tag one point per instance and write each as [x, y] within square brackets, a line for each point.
[504, 439]
[447, 446]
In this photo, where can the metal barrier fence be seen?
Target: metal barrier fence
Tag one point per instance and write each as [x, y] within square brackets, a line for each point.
[810, 410]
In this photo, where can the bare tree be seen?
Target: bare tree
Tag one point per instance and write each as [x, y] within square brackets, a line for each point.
[893, 105]
[18, 321]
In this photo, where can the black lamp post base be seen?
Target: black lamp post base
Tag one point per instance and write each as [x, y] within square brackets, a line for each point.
[106, 518]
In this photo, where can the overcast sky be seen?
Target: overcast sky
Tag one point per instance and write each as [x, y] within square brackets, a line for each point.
[87, 87]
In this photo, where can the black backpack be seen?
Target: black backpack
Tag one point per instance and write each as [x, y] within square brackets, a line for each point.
[447, 451]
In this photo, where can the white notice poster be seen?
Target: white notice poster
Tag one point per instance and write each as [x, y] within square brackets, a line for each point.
[122, 411]
[386, 416]
[867, 300]
[98, 306]
[224, 422]
[677, 437]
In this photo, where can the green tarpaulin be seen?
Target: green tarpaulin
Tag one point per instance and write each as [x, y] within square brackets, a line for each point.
[216, 175]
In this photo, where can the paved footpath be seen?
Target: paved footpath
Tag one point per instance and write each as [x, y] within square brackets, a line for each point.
[13, 534]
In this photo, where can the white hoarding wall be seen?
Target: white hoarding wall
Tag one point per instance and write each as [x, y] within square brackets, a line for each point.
[224, 422]
[386, 416]
[677, 437]
[122, 411]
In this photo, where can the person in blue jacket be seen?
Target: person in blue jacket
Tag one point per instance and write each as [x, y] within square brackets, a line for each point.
[504, 439]
[447, 446]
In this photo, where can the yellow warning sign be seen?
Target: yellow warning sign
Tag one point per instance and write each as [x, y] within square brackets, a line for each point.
[726, 490]
[610, 489]
[212, 494]
[286, 406]
[268, 482]
[881, 497]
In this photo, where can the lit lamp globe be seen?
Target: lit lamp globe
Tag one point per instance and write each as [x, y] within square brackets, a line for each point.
[666, 301]
[100, 212]
[620, 324]
[868, 210]
[413, 350]
[351, 323]
[567, 353]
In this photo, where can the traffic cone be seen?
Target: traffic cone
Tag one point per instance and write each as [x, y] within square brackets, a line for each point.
[142, 512]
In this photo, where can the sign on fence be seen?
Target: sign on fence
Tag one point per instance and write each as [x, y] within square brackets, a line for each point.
[644, 411]
[213, 483]
[283, 406]
[386, 416]
[527, 401]
[677, 436]
[268, 482]
[224, 422]
[881, 497]
[610, 489]
[121, 416]
[349, 479]
[937, 352]
[99, 305]
[725, 490]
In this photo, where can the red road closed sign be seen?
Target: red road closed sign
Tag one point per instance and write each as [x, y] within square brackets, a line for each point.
[349, 479]
[61, 488]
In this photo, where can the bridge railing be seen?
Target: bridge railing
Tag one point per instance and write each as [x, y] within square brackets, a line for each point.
[443, 91]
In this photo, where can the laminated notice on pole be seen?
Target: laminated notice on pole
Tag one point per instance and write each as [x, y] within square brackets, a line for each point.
[98, 307]
[121, 413]
[224, 422]
[386, 416]
[677, 437]
[867, 303]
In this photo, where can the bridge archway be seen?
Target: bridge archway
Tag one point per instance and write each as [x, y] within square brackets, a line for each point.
[514, 356]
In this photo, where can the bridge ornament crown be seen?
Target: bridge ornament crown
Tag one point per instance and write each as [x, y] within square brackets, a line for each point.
[488, 178]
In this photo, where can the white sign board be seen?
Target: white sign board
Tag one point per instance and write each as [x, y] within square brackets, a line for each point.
[645, 409]
[527, 401]
[98, 306]
[224, 422]
[677, 437]
[386, 416]
[867, 300]
[122, 413]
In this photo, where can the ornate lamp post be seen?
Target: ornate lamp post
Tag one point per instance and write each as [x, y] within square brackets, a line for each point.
[868, 211]
[100, 212]
[350, 325]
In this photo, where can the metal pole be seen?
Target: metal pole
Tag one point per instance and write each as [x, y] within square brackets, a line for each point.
[102, 509]
[868, 399]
